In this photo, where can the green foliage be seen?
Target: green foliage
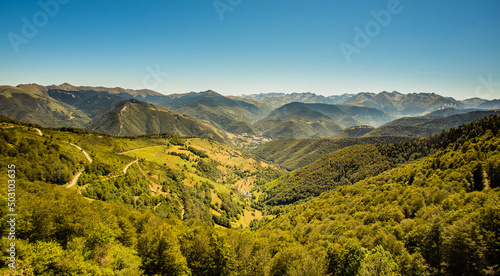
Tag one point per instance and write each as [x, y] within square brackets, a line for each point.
[378, 262]
[425, 216]
[292, 154]
[207, 251]
[160, 250]
[355, 163]
[38, 158]
[422, 218]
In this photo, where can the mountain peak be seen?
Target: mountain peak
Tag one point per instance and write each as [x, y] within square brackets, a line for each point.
[210, 92]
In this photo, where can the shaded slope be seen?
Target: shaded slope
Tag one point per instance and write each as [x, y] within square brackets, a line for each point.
[135, 118]
[222, 112]
[352, 164]
[292, 154]
[32, 104]
[423, 126]
[353, 132]
[300, 122]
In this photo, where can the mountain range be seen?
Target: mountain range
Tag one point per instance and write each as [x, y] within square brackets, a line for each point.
[121, 111]
[292, 154]
[162, 204]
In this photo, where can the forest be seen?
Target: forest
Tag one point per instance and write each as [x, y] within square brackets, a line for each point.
[425, 207]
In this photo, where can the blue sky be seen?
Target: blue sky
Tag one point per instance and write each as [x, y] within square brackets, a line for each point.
[255, 46]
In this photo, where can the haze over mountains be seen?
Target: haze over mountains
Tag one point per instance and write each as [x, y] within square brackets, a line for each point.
[121, 111]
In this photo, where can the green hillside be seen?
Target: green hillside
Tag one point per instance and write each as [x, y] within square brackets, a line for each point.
[292, 154]
[157, 204]
[302, 123]
[353, 132]
[438, 215]
[424, 126]
[352, 164]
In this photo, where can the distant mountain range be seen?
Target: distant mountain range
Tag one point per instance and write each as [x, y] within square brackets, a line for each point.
[122, 111]
[393, 103]
[295, 153]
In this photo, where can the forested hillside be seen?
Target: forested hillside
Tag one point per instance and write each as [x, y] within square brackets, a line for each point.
[352, 164]
[163, 204]
[292, 154]
[295, 153]
[439, 215]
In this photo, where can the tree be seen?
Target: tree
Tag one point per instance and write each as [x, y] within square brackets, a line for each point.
[478, 177]
[493, 171]
[378, 262]
[160, 249]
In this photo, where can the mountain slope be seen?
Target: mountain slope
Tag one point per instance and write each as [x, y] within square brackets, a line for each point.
[399, 104]
[136, 118]
[346, 115]
[490, 104]
[353, 132]
[220, 111]
[433, 216]
[297, 122]
[423, 126]
[62, 105]
[292, 154]
[352, 164]
[33, 104]
[276, 100]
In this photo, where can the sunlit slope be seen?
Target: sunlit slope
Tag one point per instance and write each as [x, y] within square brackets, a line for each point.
[165, 173]
[352, 164]
[434, 216]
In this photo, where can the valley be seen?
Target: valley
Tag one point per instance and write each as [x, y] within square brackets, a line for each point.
[183, 186]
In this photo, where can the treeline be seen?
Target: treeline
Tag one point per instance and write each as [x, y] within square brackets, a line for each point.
[438, 215]
[435, 216]
[352, 164]
[292, 154]
[38, 159]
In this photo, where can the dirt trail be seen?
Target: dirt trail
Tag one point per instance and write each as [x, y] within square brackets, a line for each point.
[75, 178]
[128, 165]
[86, 155]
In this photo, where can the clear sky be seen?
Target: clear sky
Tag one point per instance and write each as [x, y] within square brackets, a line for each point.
[255, 46]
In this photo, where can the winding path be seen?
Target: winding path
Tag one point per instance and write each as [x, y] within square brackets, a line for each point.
[75, 178]
[86, 155]
[128, 165]
[39, 131]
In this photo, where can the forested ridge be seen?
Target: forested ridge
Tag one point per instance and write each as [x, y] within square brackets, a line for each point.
[352, 164]
[292, 154]
[433, 210]
[439, 215]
